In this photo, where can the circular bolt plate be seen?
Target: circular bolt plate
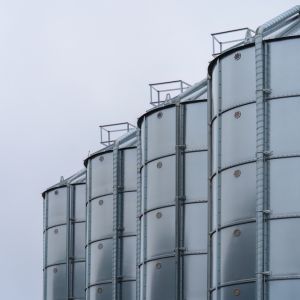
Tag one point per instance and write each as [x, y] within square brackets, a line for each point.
[100, 246]
[56, 192]
[158, 215]
[237, 173]
[237, 114]
[100, 290]
[159, 165]
[237, 232]
[101, 158]
[158, 266]
[56, 231]
[159, 115]
[237, 292]
[237, 56]
[55, 270]
[101, 202]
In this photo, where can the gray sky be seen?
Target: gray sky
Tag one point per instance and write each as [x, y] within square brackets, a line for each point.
[67, 66]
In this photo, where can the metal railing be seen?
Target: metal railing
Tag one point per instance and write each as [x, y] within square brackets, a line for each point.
[110, 132]
[163, 91]
[220, 39]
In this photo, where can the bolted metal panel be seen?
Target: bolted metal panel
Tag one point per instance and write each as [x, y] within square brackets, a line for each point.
[238, 135]
[99, 292]
[101, 261]
[161, 182]
[161, 125]
[160, 237]
[195, 217]
[236, 89]
[238, 194]
[196, 171]
[102, 185]
[57, 206]
[112, 223]
[56, 287]
[173, 200]
[56, 245]
[160, 283]
[255, 154]
[64, 239]
[195, 287]
[78, 281]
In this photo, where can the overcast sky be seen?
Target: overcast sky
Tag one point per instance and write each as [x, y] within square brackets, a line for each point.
[67, 66]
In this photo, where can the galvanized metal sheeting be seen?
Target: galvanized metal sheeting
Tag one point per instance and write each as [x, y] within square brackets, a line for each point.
[64, 239]
[149, 226]
[172, 161]
[111, 221]
[254, 98]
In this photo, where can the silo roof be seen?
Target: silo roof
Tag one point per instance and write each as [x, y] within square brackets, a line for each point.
[285, 25]
[196, 92]
[77, 178]
[128, 140]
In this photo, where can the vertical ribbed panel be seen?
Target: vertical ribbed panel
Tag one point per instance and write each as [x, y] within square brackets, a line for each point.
[219, 195]
[88, 231]
[179, 201]
[45, 221]
[139, 211]
[209, 157]
[145, 158]
[260, 167]
[115, 257]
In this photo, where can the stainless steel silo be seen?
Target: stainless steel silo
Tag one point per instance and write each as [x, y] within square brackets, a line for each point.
[254, 172]
[172, 198]
[111, 221]
[64, 239]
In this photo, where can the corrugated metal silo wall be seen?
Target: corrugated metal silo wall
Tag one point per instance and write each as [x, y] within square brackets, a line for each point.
[111, 224]
[172, 246]
[64, 241]
[255, 169]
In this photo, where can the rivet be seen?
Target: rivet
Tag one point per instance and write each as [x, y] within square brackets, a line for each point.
[237, 292]
[158, 215]
[101, 202]
[236, 232]
[56, 231]
[237, 173]
[237, 114]
[55, 270]
[237, 56]
[100, 246]
[160, 115]
[56, 192]
[159, 165]
[158, 266]
[100, 290]
[101, 158]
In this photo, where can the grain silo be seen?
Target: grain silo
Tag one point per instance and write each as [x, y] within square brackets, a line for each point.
[255, 161]
[64, 239]
[172, 196]
[111, 218]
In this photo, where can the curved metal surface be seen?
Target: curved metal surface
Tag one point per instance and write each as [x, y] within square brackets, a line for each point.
[172, 244]
[111, 221]
[64, 239]
[254, 170]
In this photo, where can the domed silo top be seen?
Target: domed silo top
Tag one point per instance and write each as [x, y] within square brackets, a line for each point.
[127, 140]
[79, 177]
